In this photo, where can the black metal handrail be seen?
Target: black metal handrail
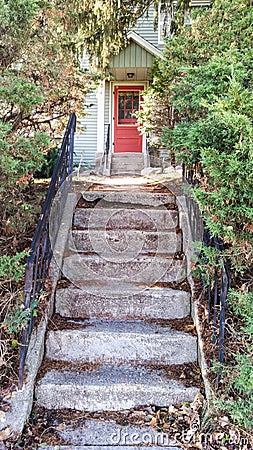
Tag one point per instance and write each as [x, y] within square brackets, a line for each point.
[41, 251]
[107, 144]
[215, 291]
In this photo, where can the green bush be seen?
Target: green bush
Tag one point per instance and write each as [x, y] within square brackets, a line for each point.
[46, 171]
[12, 267]
[239, 373]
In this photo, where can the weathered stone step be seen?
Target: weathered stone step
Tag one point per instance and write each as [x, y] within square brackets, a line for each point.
[110, 388]
[127, 241]
[121, 342]
[122, 302]
[127, 164]
[126, 172]
[121, 155]
[126, 219]
[127, 161]
[100, 433]
[80, 269]
[130, 199]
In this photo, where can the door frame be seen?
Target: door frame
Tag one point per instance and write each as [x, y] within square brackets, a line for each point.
[112, 107]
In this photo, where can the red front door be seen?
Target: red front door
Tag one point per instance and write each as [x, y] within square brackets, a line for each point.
[127, 137]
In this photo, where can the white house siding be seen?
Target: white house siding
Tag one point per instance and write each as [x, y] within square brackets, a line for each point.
[86, 134]
[145, 24]
[145, 28]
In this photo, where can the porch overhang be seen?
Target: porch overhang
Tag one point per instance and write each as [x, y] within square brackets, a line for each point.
[135, 61]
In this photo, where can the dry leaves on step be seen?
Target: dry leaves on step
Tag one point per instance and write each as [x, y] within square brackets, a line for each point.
[5, 434]
[61, 427]
[153, 422]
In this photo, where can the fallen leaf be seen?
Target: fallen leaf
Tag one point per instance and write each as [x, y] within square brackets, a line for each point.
[171, 409]
[186, 410]
[224, 421]
[182, 375]
[153, 422]
[197, 445]
[61, 427]
[5, 434]
[198, 401]
[217, 436]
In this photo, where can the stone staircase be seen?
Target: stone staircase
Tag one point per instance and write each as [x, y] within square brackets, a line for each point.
[127, 163]
[113, 338]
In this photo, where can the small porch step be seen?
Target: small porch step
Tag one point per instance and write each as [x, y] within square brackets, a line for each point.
[127, 163]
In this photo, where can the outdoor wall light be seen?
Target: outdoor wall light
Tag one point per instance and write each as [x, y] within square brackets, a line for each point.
[130, 75]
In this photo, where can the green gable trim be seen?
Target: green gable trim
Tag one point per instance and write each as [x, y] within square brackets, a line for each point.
[132, 56]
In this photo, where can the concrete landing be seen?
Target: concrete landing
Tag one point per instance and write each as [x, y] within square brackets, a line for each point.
[130, 199]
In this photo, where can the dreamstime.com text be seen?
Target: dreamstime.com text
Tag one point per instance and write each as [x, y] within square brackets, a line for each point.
[159, 438]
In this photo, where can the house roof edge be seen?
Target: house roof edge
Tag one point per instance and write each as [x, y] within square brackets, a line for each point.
[145, 44]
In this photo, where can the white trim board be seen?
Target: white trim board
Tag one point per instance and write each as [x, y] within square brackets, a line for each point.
[145, 44]
[101, 118]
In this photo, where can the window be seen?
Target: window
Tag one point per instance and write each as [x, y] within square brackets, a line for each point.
[128, 104]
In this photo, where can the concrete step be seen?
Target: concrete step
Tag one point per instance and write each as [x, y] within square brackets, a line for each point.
[126, 219]
[125, 163]
[129, 199]
[131, 161]
[80, 269]
[122, 302]
[130, 242]
[122, 155]
[110, 388]
[117, 342]
[126, 172]
[98, 435]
